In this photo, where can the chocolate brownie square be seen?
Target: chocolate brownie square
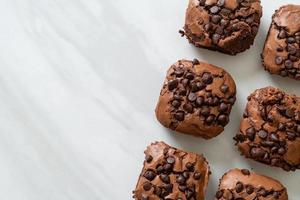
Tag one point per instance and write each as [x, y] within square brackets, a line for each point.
[241, 184]
[228, 26]
[270, 129]
[196, 99]
[281, 51]
[170, 173]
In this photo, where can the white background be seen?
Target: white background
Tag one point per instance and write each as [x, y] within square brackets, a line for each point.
[79, 81]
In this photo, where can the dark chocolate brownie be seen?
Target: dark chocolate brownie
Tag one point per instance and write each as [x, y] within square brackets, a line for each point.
[196, 99]
[228, 26]
[281, 52]
[169, 173]
[241, 184]
[270, 129]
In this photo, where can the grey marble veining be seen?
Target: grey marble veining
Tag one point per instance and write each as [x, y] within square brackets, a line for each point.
[79, 82]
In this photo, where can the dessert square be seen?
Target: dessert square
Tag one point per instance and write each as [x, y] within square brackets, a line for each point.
[281, 51]
[196, 99]
[170, 173]
[270, 129]
[241, 184]
[228, 26]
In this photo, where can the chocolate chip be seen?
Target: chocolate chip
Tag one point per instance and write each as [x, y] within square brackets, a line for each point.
[170, 159]
[224, 22]
[180, 179]
[291, 49]
[278, 60]
[246, 172]
[223, 119]
[291, 40]
[281, 151]
[199, 101]
[249, 189]
[202, 2]
[149, 175]
[281, 127]
[207, 27]
[179, 115]
[197, 175]
[274, 137]
[262, 134]
[279, 49]
[179, 72]
[221, 3]
[267, 143]
[189, 166]
[192, 97]
[231, 100]
[250, 132]
[257, 152]
[239, 187]
[216, 19]
[205, 111]
[157, 191]
[182, 188]
[195, 61]
[210, 119]
[219, 194]
[172, 84]
[169, 188]
[148, 158]
[223, 107]
[159, 169]
[188, 107]
[176, 103]
[189, 76]
[214, 9]
[215, 38]
[282, 34]
[290, 135]
[167, 167]
[224, 88]
[147, 186]
[207, 78]
[165, 178]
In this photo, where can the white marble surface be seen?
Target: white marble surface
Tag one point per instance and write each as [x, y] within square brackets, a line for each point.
[79, 80]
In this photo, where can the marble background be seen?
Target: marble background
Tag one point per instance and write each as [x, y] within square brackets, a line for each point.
[79, 81]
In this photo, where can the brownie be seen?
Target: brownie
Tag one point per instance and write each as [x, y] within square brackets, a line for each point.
[228, 26]
[281, 52]
[170, 173]
[270, 129]
[241, 184]
[196, 99]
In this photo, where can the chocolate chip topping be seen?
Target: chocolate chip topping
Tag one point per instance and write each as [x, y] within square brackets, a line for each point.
[281, 54]
[172, 174]
[235, 185]
[198, 97]
[224, 25]
[269, 132]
